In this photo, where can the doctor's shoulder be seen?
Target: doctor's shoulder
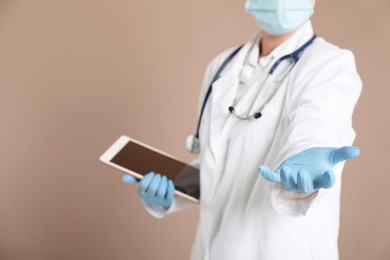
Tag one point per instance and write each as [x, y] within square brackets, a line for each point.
[325, 62]
[212, 69]
[322, 54]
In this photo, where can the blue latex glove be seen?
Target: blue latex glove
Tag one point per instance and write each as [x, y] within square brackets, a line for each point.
[129, 179]
[309, 170]
[154, 189]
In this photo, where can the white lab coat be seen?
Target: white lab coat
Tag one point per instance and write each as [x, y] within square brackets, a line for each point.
[242, 215]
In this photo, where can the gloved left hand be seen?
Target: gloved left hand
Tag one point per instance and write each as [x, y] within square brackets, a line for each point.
[155, 189]
[309, 170]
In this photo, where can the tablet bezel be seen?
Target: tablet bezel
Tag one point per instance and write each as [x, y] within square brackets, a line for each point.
[120, 143]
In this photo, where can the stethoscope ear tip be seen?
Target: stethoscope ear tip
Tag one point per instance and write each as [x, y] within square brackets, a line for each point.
[257, 115]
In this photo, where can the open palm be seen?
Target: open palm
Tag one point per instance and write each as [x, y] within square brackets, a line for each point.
[309, 170]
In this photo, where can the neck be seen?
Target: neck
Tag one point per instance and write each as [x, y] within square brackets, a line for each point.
[269, 42]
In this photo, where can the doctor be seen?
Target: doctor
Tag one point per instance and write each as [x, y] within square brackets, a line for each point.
[274, 132]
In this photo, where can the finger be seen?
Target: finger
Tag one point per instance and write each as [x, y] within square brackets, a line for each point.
[151, 191]
[326, 180]
[171, 191]
[286, 179]
[128, 179]
[305, 184]
[144, 183]
[162, 189]
[269, 175]
[344, 153]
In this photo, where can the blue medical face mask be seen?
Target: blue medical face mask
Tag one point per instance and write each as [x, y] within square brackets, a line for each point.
[278, 17]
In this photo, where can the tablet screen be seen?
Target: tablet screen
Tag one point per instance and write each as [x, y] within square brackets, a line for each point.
[142, 160]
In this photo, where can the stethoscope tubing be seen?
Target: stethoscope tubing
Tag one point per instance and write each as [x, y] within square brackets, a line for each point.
[209, 90]
[295, 56]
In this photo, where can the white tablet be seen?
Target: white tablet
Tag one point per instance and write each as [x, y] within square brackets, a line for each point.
[138, 159]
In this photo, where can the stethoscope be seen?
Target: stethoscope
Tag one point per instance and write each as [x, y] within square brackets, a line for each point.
[192, 142]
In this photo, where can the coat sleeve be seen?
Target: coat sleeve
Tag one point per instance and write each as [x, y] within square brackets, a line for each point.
[320, 104]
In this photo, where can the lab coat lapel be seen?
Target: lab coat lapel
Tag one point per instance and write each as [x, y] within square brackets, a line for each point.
[224, 90]
[269, 84]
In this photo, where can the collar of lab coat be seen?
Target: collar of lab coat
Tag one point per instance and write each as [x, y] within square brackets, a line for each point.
[250, 50]
[289, 46]
[298, 39]
[224, 89]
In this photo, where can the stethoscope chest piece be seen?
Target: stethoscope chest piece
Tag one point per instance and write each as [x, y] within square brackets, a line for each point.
[192, 144]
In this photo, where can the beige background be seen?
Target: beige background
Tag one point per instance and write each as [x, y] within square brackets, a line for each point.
[76, 74]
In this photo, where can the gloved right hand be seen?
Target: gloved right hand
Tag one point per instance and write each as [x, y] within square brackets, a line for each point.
[154, 189]
[309, 170]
